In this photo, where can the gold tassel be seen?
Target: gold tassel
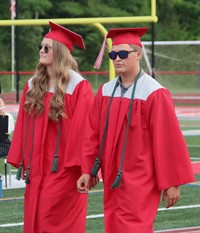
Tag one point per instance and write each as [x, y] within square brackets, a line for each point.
[117, 180]
[55, 163]
[27, 180]
[95, 167]
[19, 172]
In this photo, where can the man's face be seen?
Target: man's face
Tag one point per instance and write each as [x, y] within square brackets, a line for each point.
[126, 65]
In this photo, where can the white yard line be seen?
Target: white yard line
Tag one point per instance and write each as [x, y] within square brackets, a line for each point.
[102, 215]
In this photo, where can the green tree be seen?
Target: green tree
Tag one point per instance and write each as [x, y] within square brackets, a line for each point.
[29, 36]
[177, 20]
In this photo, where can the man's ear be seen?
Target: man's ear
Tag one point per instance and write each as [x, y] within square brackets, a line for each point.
[139, 54]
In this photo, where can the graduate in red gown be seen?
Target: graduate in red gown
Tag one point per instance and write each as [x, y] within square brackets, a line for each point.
[47, 141]
[133, 135]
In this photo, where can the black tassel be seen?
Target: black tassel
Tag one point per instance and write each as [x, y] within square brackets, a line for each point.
[19, 172]
[27, 180]
[117, 181]
[55, 163]
[95, 167]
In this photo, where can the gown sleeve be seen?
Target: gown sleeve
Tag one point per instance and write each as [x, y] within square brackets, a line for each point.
[81, 101]
[92, 135]
[171, 157]
[15, 152]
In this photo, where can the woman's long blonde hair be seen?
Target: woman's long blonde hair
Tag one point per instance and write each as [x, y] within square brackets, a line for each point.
[62, 61]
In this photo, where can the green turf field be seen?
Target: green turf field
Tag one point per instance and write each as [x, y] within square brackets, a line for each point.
[184, 214]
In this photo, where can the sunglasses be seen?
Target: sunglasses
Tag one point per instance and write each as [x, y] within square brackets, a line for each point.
[46, 48]
[123, 54]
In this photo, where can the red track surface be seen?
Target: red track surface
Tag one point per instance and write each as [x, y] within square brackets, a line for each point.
[183, 110]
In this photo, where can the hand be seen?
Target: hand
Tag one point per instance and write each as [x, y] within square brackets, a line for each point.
[172, 194]
[86, 182]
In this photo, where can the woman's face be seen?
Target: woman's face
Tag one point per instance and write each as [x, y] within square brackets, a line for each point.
[46, 52]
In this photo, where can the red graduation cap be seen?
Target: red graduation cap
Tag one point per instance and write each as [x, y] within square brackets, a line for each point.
[127, 35]
[65, 36]
[121, 36]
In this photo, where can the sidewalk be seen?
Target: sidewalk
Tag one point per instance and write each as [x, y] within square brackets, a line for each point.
[12, 182]
[194, 132]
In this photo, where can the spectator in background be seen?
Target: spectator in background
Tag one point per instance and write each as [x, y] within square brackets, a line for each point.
[47, 142]
[7, 125]
[133, 135]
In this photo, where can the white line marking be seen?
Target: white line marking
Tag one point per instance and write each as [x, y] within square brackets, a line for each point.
[180, 229]
[102, 215]
[12, 224]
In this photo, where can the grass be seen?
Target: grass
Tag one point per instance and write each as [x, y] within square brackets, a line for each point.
[11, 210]
[166, 219]
[188, 124]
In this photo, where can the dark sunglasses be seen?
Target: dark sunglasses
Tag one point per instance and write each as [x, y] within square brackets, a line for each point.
[123, 54]
[46, 48]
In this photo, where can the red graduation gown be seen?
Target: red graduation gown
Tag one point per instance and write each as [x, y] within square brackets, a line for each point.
[156, 156]
[52, 203]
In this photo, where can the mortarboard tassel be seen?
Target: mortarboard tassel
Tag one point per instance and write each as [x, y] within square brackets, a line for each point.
[27, 180]
[117, 180]
[99, 59]
[95, 167]
[55, 163]
[19, 172]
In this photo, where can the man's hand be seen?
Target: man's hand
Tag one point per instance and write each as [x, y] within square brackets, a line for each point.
[172, 194]
[86, 182]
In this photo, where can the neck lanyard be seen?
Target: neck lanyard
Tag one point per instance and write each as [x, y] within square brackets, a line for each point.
[96, 165]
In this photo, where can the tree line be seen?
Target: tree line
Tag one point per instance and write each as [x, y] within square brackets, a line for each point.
[177, 20]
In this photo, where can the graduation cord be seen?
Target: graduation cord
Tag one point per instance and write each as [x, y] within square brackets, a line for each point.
[96, 165]
[19, 171]
[27, 180]
[55, 160]
[118, 178]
